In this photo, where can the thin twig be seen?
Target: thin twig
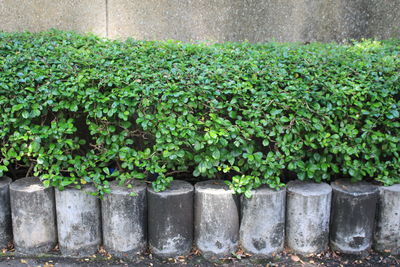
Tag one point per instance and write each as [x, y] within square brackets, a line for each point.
[29, 171]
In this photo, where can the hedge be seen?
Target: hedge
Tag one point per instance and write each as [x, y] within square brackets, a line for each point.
[80, 109]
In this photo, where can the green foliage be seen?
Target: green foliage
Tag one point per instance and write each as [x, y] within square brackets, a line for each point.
[72, 106]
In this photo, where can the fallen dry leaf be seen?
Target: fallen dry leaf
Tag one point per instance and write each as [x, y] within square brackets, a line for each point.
[295, 258]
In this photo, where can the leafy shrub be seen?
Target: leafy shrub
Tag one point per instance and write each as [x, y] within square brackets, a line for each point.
[76, 107]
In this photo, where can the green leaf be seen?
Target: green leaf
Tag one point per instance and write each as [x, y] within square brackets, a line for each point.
[248, 194]
[17, 107]
[197, 146]
[265, 142]
[275, 112]
[284, 119]
[25, 114]
[216, 154]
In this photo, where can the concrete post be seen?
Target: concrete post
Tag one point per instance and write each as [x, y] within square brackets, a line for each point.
[78, 221]
[387, 234]
[216, 219]
[33, 216]
[353, 214]
[262, 228]
[5, 212]
[124, 215]
[170, 216]
[307, 216]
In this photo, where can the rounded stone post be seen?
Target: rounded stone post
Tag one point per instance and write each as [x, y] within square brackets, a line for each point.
[5, 212]
[216, 223]
[170, 220]
[307, 216]
[353, 214]
[262, 228]
[124, 215]
[78, 221]
[387, 234]
[33, 216]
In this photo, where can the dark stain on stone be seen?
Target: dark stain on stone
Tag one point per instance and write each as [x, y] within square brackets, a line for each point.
[218, 244]
[357, 242]
[91, 223]
[321, 241]
[259, 244]
[277, 235]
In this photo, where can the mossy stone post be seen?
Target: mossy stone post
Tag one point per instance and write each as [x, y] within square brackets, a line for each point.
[33, 216]
[387, 234]
[216, 210]
[124, 215]
[5, 212]
[307, 216]
[170, 220]
[353, 216]
[78, 221]
[262, 228]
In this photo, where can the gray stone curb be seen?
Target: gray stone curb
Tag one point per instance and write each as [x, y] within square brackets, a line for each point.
[124, 217]
[353, 216]
[5, 212]
[307, 216]
[262, 227]
[216, 222]
[387, 233]
[33, 216]
[78, 221]
[170, 220]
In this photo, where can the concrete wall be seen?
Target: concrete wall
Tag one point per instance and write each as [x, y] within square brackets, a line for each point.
[39, 15]
[209, 20]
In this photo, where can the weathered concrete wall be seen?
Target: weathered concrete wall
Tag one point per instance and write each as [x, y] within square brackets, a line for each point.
[39, 15]
[254, 20]
[209, 20]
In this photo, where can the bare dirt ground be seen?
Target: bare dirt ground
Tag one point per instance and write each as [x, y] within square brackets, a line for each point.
[282, 259]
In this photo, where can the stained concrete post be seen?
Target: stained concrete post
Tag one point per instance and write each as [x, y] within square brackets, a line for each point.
[353, 214]
[78, 221]
[170, 220]
[262, 228]
[33, 216]
[387, 234]
[307, 216]
[5, 212]
[124, 215]
[216, 223]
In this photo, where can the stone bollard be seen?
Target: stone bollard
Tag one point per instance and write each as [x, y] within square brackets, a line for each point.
[5, 212]
[216, 219]
[307, 216]
[124, 215]
[33, 216]
[387, 234]
[170, 220]
[262, 228]
[353, 214]
[78, 221]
